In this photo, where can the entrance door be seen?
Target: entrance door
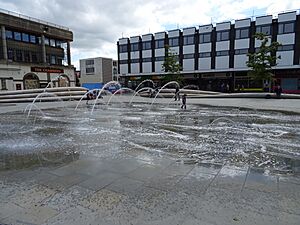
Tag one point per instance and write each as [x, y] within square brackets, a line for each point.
[31, 81]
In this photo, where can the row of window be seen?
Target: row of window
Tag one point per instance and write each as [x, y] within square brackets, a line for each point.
[33, 39]
[283, 28]
[244, 51]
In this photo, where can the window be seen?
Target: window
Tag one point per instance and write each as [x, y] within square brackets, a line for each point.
[9, 34]
[48, 59]
[188, 56]
[114, 63]
[188, 40]
[204, 54]
[285, 28]
[89, 62]
[161, 58]
[59, 61]
[285, 48]
[223, 35]
[123, 61]
[135, 60]
[146, 45]
[173, 42]
[3, 84]
[26, 56]
[205, 38]
[241, 51]
[19, 55]
[17, 36]
[123, 48]
[25, 37]
[34, 57]
[265, 29]
[222, 53]
[10, 54]
[160, 43]
[32, 39]
[134, 47]
[47, 41]
[147, 60]
[58, 44]
[53, 59]
[90, 70]
[242, 33]
[52, 42]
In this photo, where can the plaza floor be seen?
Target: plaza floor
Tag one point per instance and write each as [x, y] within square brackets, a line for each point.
[140, 188]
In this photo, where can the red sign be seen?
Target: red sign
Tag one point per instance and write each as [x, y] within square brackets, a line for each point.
[46, 70]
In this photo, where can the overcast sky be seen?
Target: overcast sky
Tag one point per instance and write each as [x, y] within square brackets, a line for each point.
[98, 24]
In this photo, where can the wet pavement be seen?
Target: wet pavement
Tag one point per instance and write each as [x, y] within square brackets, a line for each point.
[141, 165]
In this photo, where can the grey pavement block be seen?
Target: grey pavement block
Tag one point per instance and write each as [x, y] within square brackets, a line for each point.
[145, 172]
[8, 209]
[178, 169]
[206, 168]
[164, 181]
[258, 180]
[290, 179]
[125, 185]
[66, 170]
[287, 218]
[100, 181]
[290, 197]
[123, 166]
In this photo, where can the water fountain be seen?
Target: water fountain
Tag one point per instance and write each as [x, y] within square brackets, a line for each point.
[142, 89]
[85, 95]
[167, 84]
[119, 91]
[144, 81]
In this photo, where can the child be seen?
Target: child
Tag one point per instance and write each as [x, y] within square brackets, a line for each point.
[183, 101]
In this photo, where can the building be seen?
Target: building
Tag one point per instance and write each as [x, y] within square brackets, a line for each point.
[33, 52]
[95, 72]
[214, 55]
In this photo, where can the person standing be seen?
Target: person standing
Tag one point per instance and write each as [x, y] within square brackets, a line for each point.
[278, 91]
[183, 101]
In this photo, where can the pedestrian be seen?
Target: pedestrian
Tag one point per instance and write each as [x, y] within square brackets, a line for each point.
[278, 91]
[183, 101]
[177, 97]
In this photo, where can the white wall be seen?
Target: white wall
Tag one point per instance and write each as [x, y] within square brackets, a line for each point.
[123, 68]
[286, 39]
[188, 64]
[160, 52]
[287, 58]
[123, 56]
[147, 53]
[204, 63]
[147, 67]
[242, 43]
[240, 61]
[135, 68]
[222, 62]
[222, 45]
[158, 66]
[188, 49]
[206, 47]
[135, 55]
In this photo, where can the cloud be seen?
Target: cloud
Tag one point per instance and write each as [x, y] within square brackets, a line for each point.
[98, 24]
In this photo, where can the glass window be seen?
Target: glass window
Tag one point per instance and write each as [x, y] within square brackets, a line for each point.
[188, 56]
[222, 53]
[10, 53]
[90, 70]
[285, 48]
[26, 56]
[125, 61]
[19, 55]
[241, 51]
[222, 35]
[160, 43]
[89, 62]
[134, 47]
[265, 29]
[188, 40]
[173, 42]
[47, 41]
[285, 28]
[17, 36]
[9, 34]
[25, 37]
[32, 39]
[161, 58]
[204, 54]
[205, 38]
[241, 33]
[34, 57]
[123, 48]
[147, 59]
[53, 59]
[135, 60]
[52, 42]
[146, 45]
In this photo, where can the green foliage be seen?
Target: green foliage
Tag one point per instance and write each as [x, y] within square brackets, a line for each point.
[172, 67]
[261, 62]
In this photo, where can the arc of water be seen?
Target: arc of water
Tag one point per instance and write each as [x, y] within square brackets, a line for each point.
[29, 105]
[117, 91]
[144, 81]
[51, 81]
[171, 82]
[100, 92]
[137, 92]
[222, 118]
[90, 91]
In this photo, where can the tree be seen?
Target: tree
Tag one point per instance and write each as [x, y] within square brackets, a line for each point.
[261, 62]
[172, 67]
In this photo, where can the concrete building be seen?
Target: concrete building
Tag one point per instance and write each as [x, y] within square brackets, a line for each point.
[95, 72]
[212, 55]
[33, 52]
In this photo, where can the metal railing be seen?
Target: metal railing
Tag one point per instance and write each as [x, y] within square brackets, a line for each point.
[32, 19]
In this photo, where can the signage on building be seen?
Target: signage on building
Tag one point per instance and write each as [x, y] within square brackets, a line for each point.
[46, 70]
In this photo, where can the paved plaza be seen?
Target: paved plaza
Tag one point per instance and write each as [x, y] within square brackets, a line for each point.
[138, 187]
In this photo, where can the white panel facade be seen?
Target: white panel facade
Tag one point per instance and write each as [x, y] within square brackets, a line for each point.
[147, 53]
[188, 49]
[258, 42]
[242, 43]
[123, 55]
[263, 20]
[287, 58]
[206, 47]
[240, 61]
[158, 66]
[173, 33]
[135, 67]
[134, 39]
[284, 17]
[205, 28]
[160, 52]
[123, 68]
[204, 63]
[175, 50]
[160, 35]
[223, 26]
[147, 37]
[123, 41]
[222, 45]
[222, 62]
[188, 64]
[242, 23]
[147, 67]
[286, 39]
[135, 55]
[189, 31]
